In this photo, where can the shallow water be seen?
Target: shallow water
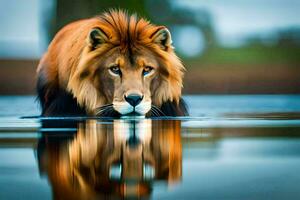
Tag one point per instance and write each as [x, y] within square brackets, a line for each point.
[231, 147]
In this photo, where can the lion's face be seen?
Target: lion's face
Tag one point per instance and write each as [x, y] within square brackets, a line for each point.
[127, 80]
[128, 69]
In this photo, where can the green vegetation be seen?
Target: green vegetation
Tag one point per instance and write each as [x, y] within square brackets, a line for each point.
[254, 54]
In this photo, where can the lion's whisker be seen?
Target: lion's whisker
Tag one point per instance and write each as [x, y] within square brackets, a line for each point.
[108, 112]
[104, 106]
[102, 110]
[154, 112]
[160, 112]
[151, 111]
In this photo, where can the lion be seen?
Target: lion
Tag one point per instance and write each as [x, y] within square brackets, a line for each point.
[118, 160]
[112, 64]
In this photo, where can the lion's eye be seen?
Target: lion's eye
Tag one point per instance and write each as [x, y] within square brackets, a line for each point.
[115, 70]
[147, 70]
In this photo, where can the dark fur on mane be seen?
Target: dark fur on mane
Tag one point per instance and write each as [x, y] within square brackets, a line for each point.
[173, 109]
[57, 102]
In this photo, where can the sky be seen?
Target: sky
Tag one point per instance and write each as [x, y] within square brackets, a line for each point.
[235, 19]
[19, 32]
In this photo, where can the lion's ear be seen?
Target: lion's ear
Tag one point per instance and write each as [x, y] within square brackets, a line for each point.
[97, 37]
[162, 37]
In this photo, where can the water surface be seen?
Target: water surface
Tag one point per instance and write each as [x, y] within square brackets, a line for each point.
[231, 147]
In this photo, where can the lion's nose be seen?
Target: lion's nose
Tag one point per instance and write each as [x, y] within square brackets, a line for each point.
[134, 99]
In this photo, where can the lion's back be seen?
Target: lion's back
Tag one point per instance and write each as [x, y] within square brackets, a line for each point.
[60, 58]
[64, 48]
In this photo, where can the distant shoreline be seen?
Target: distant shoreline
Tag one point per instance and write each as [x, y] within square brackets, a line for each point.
[17, 77]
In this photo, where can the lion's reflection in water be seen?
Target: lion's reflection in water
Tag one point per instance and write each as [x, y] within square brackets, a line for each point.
[118, 159]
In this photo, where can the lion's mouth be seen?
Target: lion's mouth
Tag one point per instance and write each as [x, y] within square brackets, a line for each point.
[133, 113]
[124, 108]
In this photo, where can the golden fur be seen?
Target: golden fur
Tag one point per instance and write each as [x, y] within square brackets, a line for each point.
[75, 64]
[79, 168]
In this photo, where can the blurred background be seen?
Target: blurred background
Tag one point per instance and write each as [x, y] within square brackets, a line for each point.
[228, 47]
